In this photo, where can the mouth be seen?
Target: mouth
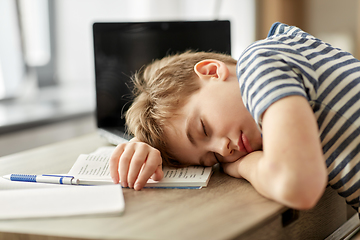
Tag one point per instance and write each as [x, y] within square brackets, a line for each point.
[244, 144]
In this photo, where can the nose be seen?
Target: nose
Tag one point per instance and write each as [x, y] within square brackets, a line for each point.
[223, 147]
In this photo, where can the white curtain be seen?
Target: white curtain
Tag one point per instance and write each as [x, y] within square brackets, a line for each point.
[12, 68]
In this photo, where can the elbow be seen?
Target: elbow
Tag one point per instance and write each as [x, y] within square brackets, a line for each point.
[296, 186]
[303, 195]
[305, 203]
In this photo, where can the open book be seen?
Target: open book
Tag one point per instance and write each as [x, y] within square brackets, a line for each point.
[93, 168]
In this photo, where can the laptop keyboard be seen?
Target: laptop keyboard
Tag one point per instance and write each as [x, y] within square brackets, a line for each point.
[111, 137]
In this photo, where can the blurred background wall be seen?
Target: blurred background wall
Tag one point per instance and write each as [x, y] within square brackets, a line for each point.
[75, 61]
[336, 22]
[47, 91]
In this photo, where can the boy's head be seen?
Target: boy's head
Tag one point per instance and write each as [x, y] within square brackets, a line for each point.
[189, 107]
[161, 89]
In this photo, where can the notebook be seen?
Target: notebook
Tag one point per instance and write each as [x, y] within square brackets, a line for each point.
[38, 200]
[122, 48]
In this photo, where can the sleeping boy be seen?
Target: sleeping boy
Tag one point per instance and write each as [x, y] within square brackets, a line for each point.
[285, 116]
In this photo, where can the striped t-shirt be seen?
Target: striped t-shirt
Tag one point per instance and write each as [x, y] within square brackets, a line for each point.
[292, 62]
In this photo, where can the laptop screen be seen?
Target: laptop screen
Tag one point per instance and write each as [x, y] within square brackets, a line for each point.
[123, 48]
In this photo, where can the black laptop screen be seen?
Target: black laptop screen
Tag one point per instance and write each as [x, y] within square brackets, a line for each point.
[120, 49]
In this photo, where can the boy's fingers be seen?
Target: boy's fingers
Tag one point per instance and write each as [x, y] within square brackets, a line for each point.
[137, 162]
[152, 166]
[125, 160]
[114, 163]
[158, 174]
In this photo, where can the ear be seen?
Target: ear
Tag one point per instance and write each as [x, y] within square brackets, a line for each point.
[211, 69]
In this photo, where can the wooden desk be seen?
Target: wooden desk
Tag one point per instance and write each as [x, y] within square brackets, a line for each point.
[228, 208]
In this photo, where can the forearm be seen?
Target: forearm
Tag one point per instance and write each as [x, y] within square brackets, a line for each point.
[247, 168]
[274, 181]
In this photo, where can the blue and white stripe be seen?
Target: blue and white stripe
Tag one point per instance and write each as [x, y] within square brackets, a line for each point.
[293, 62]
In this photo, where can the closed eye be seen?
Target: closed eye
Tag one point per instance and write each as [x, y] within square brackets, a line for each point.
[203, 126]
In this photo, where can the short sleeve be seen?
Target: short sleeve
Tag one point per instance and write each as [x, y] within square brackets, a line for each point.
[266, 77]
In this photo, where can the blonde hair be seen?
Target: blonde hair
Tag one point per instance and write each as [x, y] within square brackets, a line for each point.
[161, 88]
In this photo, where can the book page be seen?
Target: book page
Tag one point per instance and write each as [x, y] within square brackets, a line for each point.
[187, 174]
[91, 167]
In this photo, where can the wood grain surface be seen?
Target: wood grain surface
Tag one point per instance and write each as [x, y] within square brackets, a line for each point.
[228, 208]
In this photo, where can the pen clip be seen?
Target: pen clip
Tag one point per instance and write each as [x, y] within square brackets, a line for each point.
[53, 175]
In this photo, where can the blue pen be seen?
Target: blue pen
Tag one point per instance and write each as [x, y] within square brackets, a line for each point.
[59, 179]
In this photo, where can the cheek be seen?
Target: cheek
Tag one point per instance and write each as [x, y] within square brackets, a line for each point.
[182, 150]
[238, 115]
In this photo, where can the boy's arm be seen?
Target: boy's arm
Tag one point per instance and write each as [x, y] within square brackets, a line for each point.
[291, 168]
[133, 163]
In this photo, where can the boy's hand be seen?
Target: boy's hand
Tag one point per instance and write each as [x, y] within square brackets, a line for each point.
[133, 163]
[244, 166]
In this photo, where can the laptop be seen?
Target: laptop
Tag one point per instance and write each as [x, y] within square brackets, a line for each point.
[122, 48]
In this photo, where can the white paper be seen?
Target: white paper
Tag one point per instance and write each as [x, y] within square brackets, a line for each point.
[61, 201]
